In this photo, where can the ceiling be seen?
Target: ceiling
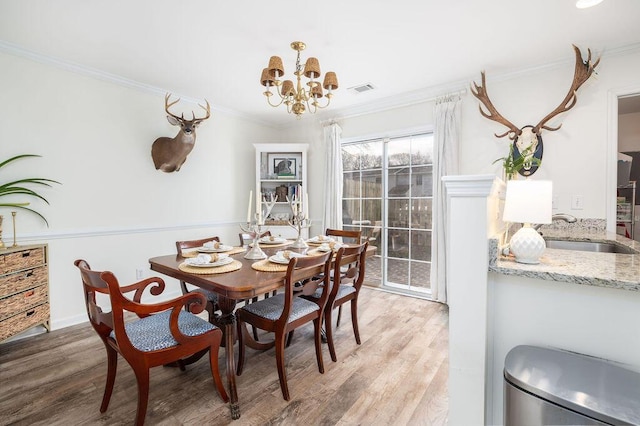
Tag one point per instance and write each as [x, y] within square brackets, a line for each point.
[407, 49]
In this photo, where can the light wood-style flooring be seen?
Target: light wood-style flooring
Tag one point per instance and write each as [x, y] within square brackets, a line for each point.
[398, 376]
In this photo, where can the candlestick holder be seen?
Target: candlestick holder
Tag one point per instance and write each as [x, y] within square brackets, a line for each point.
[300, 222]
[13, 219]
[1, 243]
[254, 231]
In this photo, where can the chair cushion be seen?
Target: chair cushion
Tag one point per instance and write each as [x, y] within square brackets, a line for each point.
[271, 308]
[210, 295]
[152, 333]
[342, 291]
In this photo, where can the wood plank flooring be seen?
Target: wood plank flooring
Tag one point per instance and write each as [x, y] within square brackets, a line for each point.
[398, 376]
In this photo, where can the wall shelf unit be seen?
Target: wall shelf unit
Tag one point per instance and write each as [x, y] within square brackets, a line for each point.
[281, 170]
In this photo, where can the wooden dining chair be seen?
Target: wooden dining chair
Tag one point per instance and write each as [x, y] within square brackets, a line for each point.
[245, 238]
[287, 311]
[345, 288]
[348, 236]
[162, 334]
[212, 298]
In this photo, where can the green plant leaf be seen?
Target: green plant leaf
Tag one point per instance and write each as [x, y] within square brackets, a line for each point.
[16, 188]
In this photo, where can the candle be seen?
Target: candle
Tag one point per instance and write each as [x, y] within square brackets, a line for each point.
[259, 207]
[249, 207]
[306, 205]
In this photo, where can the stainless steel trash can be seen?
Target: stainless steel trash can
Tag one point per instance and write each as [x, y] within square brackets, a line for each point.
[544, 386]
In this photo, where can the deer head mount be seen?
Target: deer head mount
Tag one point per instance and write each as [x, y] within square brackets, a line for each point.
[170, 154]
[527, 140]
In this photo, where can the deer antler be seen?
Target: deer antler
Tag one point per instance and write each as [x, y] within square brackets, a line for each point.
[207, 108]
[480, 92]
[167, 105]
[583, 71]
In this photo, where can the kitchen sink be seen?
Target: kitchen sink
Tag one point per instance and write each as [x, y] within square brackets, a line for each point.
[602, 247]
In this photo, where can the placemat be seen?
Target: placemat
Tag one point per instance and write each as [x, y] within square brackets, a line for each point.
[286, 243]
[266, 266]
[195, 253]
[233, 266]
[316, 252]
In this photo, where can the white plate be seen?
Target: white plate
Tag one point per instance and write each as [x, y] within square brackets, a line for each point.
[275, 241]
[220, 249]
[280, 260]
[318, 241]
[221, 262]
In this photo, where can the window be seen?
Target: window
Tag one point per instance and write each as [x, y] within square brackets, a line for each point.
[387, 194]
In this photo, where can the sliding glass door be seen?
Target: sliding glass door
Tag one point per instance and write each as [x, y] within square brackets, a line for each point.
[387, 193]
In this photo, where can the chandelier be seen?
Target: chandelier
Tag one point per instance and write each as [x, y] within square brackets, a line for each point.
[298, 99]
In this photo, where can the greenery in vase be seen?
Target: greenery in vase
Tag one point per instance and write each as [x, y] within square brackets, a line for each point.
[512, 166]
[17, 187]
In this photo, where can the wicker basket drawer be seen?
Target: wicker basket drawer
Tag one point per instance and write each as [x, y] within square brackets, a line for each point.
[23, 301]
[21, 260]
[14, 283]
[24, 320]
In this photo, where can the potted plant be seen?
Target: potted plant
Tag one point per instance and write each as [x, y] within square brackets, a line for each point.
[17, 187]
[512, 166]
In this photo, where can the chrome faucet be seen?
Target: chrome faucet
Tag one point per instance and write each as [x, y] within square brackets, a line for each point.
[559, 216]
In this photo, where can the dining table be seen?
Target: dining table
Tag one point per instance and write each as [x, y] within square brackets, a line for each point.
[231, 287]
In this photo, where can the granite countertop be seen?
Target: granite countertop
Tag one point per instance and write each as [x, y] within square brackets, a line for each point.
[612, 270]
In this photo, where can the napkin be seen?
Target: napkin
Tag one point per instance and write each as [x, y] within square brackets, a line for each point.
[203, 259]
[289, 254]
[211, 245]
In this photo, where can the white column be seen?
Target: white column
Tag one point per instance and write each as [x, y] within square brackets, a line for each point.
[468, 220]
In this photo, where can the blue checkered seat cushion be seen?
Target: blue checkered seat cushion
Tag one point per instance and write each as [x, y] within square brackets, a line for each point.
[210, 295]
[342, 291]
[152, 333]
[271, 308]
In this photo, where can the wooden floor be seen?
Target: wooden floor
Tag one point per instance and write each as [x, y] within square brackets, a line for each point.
[398, 376]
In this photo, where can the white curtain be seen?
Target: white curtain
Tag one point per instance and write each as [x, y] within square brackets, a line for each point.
[332, 178]
[445, 162]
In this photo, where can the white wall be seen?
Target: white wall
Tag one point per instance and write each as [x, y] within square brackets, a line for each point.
[575, 157]
[113, 208]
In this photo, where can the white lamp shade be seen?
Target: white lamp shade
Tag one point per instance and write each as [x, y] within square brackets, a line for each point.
[528, 201]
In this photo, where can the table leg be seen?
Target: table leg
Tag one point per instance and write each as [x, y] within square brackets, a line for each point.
[228, 320]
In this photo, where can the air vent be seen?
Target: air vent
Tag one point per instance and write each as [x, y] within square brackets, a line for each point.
[361, 88]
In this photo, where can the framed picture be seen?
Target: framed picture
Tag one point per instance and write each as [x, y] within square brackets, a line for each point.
[284, 164]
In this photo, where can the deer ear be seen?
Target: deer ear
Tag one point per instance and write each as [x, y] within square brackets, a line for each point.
[173, 120]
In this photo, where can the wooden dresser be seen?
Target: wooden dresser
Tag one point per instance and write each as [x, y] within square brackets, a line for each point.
[24, 289]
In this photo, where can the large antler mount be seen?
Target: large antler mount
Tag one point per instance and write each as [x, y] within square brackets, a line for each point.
[527, 141]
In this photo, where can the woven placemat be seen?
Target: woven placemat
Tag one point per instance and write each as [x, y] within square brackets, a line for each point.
[316, 252]
[195, 253]
[286, 243]
[233, 266]
[266, 266]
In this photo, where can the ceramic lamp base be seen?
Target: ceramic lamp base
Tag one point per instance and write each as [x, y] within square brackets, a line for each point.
[527, 245]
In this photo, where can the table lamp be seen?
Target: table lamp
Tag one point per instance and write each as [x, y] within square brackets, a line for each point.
[527, 202]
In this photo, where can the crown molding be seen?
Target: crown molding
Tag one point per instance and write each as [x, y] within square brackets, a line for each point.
[15, 50]
[430, 94]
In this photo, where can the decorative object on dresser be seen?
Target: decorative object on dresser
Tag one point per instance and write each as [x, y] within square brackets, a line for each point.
[24, 289]
[527, 140]
[169, 154]
[298, 99]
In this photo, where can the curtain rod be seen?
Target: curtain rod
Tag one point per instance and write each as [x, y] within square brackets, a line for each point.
[460, 92]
